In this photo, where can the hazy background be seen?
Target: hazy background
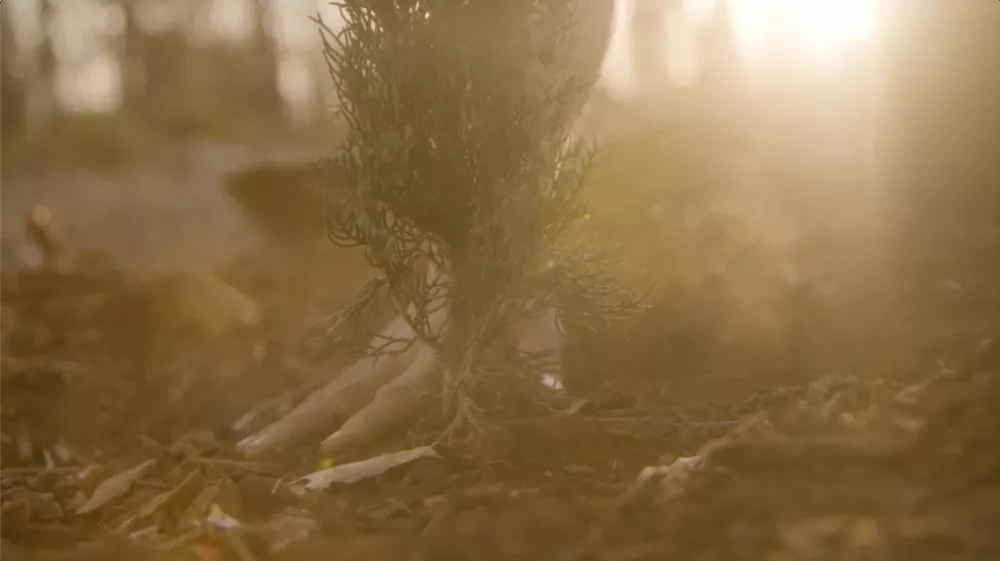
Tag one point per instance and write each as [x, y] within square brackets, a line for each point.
[227, 67]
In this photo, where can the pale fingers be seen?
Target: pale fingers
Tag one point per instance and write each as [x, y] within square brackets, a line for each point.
[345, 395]
[397, 401]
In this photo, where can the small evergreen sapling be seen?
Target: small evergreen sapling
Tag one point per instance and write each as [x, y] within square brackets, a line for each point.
[463, 183]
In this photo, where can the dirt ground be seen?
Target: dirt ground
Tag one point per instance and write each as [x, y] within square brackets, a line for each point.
[747, 415]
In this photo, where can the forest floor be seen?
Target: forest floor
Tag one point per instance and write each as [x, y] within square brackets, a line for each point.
[118, 433]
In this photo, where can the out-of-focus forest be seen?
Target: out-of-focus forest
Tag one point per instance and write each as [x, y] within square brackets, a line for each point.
[156, 89]
[102, 80]
[176, 69]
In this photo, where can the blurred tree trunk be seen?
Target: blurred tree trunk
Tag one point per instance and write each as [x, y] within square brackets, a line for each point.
[718, 77]
[43, 107]
[649, 42]
[164, 61]
[266, 96]
[943, 102]
[595, 27]
[132, 58]
[941, 158]
[717, 52]
[164, 64]
[12, 94]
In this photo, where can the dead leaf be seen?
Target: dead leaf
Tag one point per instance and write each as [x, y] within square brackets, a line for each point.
[194, 443]
[356, 471]
[15, 511]
[287, 530]
[201, 504]
[677, 474]
[218, 518]
[179, 543]
[114, 487]
[575, 407]
[45, 507]
[25, 449]
[88, 478]
[77, 501]
[126, 524]
[173, 498]
[64, 451]
[145, 536]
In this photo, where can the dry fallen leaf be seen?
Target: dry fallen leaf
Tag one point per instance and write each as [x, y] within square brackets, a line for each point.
[173, 499]
[147, 535]
[218, 518]
[114, 487]
[64, 451]
[193, 443]
[356, 471]
[88, 478]
[197, 509]
[287, 530]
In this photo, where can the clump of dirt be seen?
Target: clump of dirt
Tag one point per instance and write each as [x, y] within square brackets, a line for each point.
[91, 357]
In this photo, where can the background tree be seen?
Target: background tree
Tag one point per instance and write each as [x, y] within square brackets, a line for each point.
[940, 136]
[943, 81]
[649, 51]
[131, 55]
[262, 44]
[720, 64]
[43, 102]
[13, 92]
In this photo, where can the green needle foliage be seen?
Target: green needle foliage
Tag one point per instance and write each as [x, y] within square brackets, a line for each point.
[463, 185]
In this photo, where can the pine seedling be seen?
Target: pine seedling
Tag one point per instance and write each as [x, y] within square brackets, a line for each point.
[462, 182]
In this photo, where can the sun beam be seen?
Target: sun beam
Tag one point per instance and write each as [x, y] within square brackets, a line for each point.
[763, 31]
[820, 26]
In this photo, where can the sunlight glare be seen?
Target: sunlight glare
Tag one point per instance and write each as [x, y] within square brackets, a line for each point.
[616, 70]
[829, 23]
[763, 31]
[820, 26]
